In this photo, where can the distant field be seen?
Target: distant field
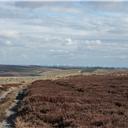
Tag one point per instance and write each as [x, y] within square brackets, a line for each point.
[46, 75]
[93, 101]
[16, 70]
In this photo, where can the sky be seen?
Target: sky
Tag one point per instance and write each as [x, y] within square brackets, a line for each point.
[64, 33]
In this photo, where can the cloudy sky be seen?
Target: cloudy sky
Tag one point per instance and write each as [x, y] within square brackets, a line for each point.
[64, 33]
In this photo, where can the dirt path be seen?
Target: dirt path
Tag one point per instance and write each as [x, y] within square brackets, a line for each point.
[10, 101]
[5, 93]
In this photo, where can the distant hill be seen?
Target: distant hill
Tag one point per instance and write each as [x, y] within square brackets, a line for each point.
[17, 70]
[34, 70]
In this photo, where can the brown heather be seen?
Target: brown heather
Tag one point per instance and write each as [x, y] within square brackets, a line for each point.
[94, 101]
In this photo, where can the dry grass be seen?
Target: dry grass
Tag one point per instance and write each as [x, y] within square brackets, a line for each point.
[46, 75]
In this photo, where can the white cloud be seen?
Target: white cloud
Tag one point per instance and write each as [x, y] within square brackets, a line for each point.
[9, 33]
[9, 43]
[69, 41]
[76, 31]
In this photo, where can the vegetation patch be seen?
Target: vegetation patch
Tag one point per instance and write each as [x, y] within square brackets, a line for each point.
[74, 102]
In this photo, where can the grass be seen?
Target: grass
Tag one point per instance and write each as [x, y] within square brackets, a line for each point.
[46, 75]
